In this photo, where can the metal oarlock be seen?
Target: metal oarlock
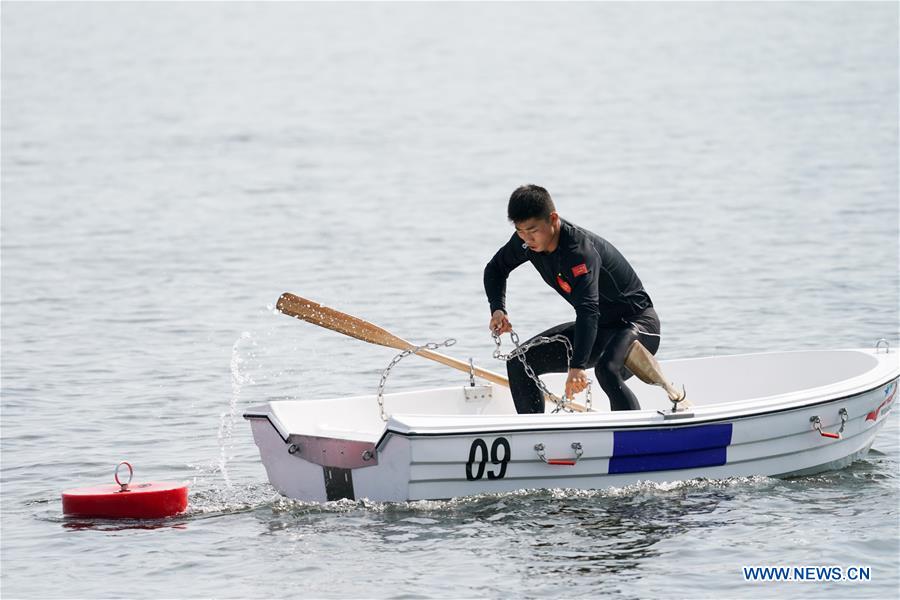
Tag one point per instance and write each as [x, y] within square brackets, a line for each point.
[882, 342]
[576, 446]
[817, 425]
[474, 392]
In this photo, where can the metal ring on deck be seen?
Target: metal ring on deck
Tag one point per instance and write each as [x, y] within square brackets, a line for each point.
[130, 475]
[887, 345]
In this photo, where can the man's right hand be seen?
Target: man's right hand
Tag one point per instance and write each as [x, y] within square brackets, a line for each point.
[500, 323]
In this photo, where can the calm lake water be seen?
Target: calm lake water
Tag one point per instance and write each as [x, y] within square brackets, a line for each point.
[169, 169]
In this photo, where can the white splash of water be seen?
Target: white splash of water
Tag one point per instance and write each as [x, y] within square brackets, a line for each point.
[227, 418]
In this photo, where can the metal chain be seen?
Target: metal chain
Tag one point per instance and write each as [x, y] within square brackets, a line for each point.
[384, 375]
[519, 352]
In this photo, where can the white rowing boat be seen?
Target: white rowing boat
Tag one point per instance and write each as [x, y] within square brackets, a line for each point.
[776, 414]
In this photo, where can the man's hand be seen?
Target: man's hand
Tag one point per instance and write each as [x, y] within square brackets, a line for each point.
[499, 322]
[577, 381]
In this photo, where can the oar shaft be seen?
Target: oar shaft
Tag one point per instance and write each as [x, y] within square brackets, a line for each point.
[329, 318]
[479, 372]
[464, 366]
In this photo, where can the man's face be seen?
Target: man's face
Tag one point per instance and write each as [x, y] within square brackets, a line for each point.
[539, 233]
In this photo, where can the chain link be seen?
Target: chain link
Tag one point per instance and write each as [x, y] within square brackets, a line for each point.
[519, 352]
[384, 374]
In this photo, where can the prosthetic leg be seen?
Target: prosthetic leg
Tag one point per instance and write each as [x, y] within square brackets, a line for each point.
[644, 365]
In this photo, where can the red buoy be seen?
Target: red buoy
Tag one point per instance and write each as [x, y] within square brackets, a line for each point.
[151, 500]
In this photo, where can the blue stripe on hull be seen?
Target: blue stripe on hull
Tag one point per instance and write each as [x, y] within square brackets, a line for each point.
[668, 449]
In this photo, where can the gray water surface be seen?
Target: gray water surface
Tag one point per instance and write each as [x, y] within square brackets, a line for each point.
[169, 169]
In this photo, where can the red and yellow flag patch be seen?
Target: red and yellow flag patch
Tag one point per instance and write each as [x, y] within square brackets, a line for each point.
[579, 270]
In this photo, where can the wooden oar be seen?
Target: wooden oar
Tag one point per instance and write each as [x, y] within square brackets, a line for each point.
[329, 318]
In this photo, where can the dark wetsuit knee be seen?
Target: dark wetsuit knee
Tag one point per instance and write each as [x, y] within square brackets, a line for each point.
[610, 367]
[608, 374]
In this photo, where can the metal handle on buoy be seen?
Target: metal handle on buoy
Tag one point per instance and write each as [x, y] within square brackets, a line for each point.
[130, 475]
[576, 446]
[817, 425]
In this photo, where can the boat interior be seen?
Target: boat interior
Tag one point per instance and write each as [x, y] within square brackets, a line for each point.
[719, 382]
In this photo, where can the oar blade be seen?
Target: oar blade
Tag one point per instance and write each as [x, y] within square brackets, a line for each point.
[323, 316]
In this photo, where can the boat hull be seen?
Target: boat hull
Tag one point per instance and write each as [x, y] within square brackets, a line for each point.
[572, 451]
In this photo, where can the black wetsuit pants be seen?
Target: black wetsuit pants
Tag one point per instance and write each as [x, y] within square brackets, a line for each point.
[607, 358]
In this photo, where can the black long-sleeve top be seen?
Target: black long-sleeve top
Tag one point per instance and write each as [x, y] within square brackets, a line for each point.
[586, 270]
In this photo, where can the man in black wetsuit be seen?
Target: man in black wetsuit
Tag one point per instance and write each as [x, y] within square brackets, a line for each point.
[612, 309]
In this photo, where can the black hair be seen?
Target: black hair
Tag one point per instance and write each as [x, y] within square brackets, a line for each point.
[530, 202]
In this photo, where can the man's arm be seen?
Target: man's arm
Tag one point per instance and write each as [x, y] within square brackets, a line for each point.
[498, 269]
[586, 300]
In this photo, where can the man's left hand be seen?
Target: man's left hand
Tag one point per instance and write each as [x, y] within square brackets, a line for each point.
[577, 381]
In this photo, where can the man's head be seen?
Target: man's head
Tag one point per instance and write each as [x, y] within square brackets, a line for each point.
[532, 211]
